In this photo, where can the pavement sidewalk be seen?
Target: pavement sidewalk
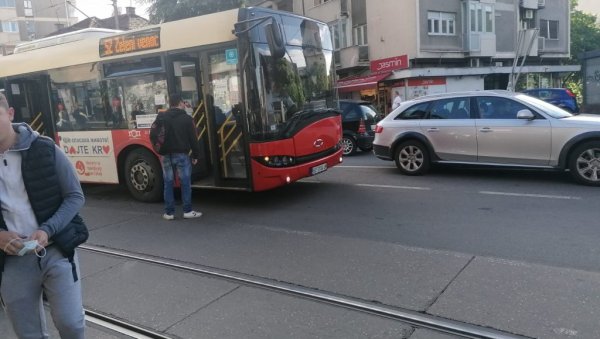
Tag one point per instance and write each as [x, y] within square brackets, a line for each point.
[519, 298]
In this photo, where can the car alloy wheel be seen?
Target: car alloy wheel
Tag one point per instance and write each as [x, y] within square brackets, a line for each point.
[412, 158]
[585, 164]
[348, 145]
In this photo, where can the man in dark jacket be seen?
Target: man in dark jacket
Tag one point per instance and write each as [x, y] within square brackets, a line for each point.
[181, 142]
[35, 216]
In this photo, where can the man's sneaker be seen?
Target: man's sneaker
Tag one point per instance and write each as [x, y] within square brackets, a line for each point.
[168, 216]
[192, 214]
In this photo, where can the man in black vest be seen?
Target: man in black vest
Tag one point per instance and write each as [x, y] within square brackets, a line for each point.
[40, 197]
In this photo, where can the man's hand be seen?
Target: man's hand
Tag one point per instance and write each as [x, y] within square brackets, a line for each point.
[194, 161]
[10, 242]
[40, 236]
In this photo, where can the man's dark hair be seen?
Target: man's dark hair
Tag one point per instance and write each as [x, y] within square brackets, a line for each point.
[174, 99]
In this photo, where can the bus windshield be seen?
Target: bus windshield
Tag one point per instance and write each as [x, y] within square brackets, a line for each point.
[295, 89]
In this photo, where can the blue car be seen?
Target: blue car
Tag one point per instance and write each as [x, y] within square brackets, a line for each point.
[560, 97]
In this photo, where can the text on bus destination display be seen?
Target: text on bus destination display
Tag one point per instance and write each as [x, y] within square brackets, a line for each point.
[130, 42]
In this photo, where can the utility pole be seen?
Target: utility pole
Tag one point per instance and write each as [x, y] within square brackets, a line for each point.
[116, 13]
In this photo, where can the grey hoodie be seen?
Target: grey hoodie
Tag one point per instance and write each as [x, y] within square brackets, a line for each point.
[14, 202]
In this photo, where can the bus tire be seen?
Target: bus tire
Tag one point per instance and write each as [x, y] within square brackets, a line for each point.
[143, 176]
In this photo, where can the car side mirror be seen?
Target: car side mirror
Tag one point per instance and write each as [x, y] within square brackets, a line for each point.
[525, 114]
[275, 40]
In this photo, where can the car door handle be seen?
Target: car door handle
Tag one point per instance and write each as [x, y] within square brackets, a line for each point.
[433, 129]
[485, 130]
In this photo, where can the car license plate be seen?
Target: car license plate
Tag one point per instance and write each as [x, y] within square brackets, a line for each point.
[318, 169]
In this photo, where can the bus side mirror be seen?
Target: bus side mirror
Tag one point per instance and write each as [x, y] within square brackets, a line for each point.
[275, 40]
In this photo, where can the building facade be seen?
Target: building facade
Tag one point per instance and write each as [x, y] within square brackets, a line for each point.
[25, 20]
[420, 47]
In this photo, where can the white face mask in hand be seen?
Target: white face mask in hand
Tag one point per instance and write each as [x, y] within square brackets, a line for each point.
[32, 245]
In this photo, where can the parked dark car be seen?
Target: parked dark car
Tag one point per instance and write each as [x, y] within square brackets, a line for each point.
[560, 97]
[358, 122]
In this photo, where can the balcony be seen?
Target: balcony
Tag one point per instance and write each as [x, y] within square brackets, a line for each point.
[353, 56]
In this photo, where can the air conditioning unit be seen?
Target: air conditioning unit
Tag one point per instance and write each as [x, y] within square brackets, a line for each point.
[528, 14]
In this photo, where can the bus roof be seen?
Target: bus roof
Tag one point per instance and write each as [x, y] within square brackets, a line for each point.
[196, 31]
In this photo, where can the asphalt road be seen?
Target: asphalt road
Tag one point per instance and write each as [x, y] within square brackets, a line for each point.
[526, 215]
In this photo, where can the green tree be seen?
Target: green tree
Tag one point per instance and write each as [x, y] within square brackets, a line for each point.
[585, 33]
[585, 37]
[170, 10]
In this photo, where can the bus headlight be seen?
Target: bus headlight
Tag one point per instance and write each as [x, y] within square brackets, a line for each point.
[277, 161]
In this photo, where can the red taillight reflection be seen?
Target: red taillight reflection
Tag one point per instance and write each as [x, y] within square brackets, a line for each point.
[378, 129]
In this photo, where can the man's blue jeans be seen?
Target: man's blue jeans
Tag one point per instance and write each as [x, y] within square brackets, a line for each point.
[182, 163]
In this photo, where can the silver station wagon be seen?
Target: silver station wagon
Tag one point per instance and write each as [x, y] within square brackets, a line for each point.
[496, 128]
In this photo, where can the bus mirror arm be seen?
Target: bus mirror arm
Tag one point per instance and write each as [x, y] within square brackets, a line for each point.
[272, 32]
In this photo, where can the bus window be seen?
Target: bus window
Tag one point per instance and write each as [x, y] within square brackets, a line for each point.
[135, 100]
[76, 98]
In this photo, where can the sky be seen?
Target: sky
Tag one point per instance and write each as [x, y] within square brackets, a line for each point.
[589, 6]
[103, 8]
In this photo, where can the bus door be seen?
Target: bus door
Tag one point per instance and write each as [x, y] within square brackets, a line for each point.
[223, 101]
[185, 78]
[29, 97]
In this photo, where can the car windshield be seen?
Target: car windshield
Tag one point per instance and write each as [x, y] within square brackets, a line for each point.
[548, 108]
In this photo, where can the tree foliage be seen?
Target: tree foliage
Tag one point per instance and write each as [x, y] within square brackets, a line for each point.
[585, 33]
[170, 10]
[585, 37]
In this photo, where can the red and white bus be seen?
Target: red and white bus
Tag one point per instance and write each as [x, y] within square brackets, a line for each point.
[259, 84]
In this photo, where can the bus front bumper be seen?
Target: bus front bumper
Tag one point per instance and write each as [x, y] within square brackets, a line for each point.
[265, 177]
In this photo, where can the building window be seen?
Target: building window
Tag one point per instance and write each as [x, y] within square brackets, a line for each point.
[440, 23]
[27, 7]
[360, 35]
[482, 17]
[549, 29]
[338, 30]
[10, 26]
[7, 3]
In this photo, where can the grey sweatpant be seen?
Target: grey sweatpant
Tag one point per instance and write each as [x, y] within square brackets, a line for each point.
[23, 281]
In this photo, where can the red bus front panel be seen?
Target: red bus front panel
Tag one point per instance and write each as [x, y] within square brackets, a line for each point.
[321, 137]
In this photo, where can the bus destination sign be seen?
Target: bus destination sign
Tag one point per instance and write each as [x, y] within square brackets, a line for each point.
[130, 42]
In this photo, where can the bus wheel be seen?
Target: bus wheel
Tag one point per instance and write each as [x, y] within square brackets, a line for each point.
[143, 175]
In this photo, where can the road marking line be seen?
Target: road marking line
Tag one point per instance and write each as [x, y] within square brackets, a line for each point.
[352, 166]
[565, 197]
[399, 187]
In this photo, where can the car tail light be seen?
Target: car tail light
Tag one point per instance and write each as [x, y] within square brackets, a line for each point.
[362, 129]
[378, 128]
[570, 93]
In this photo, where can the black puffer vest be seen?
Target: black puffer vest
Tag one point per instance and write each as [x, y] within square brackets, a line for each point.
[41, 183]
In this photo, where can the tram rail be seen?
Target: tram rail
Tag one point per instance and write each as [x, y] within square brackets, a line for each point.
[417, 319]
[121, 327]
